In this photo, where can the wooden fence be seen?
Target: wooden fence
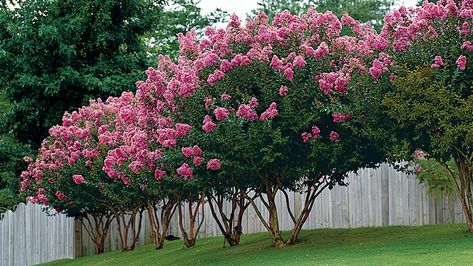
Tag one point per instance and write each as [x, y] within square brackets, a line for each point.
[374, 197]
[29, 236]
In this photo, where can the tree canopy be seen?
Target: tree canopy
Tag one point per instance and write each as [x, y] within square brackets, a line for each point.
[372, 11]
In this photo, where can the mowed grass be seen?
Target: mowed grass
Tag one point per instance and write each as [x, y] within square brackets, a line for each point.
[397, 245]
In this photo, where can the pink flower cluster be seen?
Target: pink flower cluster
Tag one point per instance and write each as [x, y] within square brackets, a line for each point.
[213, 164]
[283, 91]
[208, 124]
[420, 154]
[221, 113]
[270, 113]
[461, 62]
[193, 151]
[315, 133]
[78, 179]
[334, 136]
[246, 111]
[438, 62]
[339, 117]
[185, 171]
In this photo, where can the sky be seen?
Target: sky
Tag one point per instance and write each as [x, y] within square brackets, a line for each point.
[242, 7]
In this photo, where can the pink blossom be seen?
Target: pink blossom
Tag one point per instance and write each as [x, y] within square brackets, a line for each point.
[289, 73]
[334, 136]
[208, 102]
[60, 196]
[321, 51]
[78, 179]
[315, 131]
[135, 166]
[225, 66]
[191, 151]
[245, 111]
[339, 117]
[283, 91]
[182, 129]
[253, 103]
[438, 62]
[159, 174]
[276, 63]
[185, 171]
[225, 97]
[187, 151]
[42, 198]
[208, 124]
[417, 168]
[306, 136]
[169, 143]
[197, 151]
[221, 113]
[377, 69]
[32, 200]
[270, 113]
[467, 45]
[461, 62]
[299, 61]
[213, 164]
[419, 154]
[198, 160]
[216, 76]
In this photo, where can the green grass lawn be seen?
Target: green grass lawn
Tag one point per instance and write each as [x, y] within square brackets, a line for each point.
[398, 245]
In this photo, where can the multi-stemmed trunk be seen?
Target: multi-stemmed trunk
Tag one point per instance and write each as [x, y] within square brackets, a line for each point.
[126, 221]
[314, 188]
[160, 222]
[229, 225]
[97, 229]
[463, 185]
[190, 237]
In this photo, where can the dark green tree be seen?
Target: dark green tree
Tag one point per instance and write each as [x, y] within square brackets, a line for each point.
[11, 158]
[180, 16]
[56, 55]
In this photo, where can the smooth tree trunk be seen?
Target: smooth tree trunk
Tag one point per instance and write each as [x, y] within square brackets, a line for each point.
[127, 225]
[160, 221]
[97, 227]
[190, 236]
[271, 223]
[229, 223]
[463, 185]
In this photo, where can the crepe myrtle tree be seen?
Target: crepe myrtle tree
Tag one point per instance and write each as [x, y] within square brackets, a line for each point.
[274, 94]
[69, 175]
[171, 177]
[227, 189]
[185, 171]
[429, 96]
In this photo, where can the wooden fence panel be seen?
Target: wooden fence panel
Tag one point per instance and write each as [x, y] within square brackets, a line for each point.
[29, 236]
[374, 197]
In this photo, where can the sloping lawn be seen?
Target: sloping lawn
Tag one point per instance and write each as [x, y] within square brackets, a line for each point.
[398, 245]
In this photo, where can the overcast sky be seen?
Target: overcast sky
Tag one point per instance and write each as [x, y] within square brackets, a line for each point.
[242, 7]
